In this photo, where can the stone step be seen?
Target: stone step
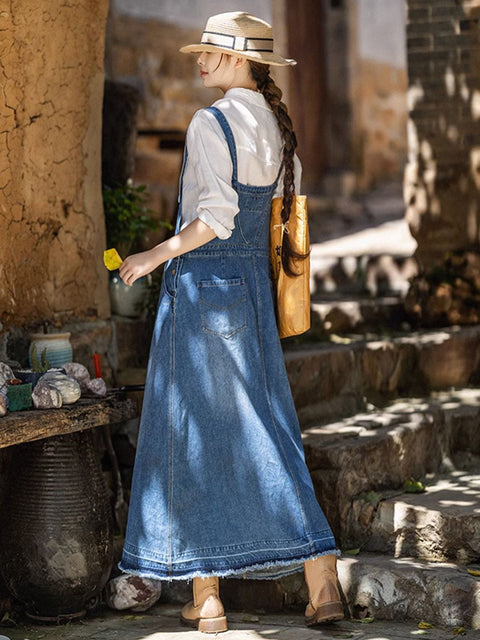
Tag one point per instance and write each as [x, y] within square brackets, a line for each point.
[443, 594]
[442, 524]
[334, 380]
[376, 274]
[379, 450]
[341, 315]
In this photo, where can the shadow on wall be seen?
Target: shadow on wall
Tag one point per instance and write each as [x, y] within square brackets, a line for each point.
[442, 177]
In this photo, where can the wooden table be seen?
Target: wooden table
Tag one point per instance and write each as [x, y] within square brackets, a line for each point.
[35, 424]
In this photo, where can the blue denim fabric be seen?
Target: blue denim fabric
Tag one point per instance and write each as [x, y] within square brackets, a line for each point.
[220, 482]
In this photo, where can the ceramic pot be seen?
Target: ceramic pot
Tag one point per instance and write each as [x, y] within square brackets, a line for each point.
[57, 345]
[56, 538]
[125, 300]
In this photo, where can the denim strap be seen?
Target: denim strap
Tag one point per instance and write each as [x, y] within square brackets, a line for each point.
[222, 121]
[184, 163]
[180, 188]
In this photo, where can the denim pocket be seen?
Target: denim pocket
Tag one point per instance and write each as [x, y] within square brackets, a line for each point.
[223, 306]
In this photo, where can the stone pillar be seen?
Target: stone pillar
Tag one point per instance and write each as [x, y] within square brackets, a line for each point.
[52, 231]
[442, 177]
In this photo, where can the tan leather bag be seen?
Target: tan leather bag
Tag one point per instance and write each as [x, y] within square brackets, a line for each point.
[293, 292]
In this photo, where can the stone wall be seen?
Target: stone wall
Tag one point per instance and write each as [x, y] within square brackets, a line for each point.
[379, 144]
[51, 218]
[442, 178]
[378, 77]
[144, 53]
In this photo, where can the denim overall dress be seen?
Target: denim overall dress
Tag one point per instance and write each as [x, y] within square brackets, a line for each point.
[220, 484]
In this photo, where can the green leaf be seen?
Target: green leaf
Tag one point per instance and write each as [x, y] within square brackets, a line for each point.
[425, 625]
[351, 552]
[372, 497]
[413, 486]
[250, 618]
[366, 620]
[127, 216]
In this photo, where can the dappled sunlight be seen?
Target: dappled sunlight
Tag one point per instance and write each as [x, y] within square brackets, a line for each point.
[475, 104]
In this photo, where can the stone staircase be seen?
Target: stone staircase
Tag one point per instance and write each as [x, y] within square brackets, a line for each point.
[406, 555]
[378, 416]
[381, 418]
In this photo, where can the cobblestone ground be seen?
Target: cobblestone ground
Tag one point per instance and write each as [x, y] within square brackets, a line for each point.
[162, 623]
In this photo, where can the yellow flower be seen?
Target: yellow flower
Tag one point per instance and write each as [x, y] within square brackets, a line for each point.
[111, 259]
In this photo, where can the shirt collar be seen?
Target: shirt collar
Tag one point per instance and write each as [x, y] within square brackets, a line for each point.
[247, 95]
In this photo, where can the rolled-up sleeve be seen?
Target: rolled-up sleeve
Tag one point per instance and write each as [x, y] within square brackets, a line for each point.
[212, 165]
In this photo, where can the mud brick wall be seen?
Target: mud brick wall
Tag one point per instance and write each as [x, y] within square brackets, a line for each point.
[52, 231]
[442, 177]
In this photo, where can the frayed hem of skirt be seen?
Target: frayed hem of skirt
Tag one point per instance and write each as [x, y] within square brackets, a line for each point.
[259, 571]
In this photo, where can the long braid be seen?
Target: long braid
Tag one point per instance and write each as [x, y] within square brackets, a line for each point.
[273, 95]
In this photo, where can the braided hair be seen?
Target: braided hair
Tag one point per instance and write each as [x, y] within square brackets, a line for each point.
[273, 95]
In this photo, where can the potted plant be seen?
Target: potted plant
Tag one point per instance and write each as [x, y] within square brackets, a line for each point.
[128, 218]
[40, 365]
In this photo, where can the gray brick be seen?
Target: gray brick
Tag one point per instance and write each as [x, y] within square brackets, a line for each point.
[440, 66]
[436, 56]
[461, 41]
[421, 4]
[434, 85]
[420, 43]
[422, 68]
[418, 15]
[445, 11]
[428, 109]
[428, 28]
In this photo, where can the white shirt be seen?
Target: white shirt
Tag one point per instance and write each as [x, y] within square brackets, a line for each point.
[207, 191]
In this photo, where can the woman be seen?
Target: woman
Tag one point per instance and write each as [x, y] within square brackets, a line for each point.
[220, 484]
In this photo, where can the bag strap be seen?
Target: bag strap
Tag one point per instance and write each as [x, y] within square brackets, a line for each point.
[227, 130]
[278, 175]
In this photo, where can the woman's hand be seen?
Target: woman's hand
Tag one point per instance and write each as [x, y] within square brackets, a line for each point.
[194, 235]
[138, 265]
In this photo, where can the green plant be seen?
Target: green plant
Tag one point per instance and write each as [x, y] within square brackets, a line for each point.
[127, 216]
[42, 365]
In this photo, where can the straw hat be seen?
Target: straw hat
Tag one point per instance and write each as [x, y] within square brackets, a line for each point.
[240, 34]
